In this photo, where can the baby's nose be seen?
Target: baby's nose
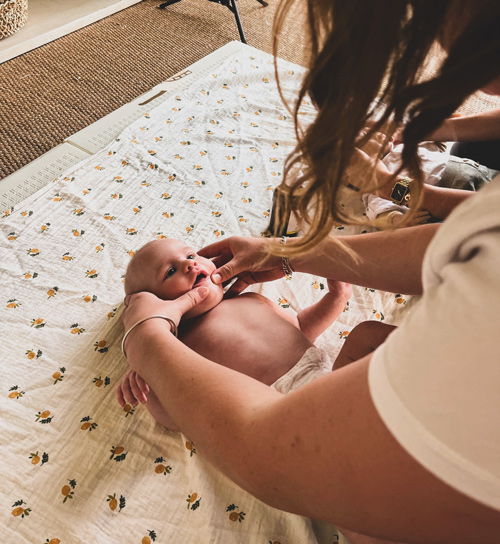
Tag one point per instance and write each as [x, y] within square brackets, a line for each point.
[190, 264]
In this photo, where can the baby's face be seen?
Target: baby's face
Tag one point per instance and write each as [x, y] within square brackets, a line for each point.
[170, 268]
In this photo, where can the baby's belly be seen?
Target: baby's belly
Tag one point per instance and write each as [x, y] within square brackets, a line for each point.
[264, 347]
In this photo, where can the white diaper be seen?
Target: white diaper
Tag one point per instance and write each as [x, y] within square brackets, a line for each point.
[313, 364]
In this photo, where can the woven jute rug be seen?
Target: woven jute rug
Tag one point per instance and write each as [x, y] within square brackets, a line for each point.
[52, 92]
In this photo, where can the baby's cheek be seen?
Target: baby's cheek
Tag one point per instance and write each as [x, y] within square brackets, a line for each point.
[213, 298]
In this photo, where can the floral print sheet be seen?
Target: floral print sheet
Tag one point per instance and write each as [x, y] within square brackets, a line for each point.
[76, 466]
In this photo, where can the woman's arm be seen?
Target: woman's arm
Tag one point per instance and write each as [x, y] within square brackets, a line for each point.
[438, 201]
[388, 260]
[321, 451]
[441, 201]
[479, 127]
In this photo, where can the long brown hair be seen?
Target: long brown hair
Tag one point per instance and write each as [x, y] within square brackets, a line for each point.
[362, 53]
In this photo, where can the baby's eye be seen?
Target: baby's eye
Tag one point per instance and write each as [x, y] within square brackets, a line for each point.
[190, 256]
[170, 272]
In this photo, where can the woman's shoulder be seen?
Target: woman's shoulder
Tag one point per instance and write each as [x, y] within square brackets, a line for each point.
[472, 226]
[481, 210]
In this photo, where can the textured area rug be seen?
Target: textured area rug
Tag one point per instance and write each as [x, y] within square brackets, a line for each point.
[64, 86]
[54, 91]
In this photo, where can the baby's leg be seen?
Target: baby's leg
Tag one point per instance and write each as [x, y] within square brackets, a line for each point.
[356, 538]
[362, 340]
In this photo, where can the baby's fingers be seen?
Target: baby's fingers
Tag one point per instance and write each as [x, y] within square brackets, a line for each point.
[143, 386]
[422, 216]
[125, 393]
[138, 387]
[119, 396]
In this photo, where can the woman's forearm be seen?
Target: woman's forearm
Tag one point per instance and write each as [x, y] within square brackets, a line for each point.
[471, 128]
[211, 404]
[388, 260]
[441, 201]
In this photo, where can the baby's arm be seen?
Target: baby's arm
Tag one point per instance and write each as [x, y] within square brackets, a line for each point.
[315, 319]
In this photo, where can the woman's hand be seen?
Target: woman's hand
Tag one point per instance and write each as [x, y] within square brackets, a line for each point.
[246, 258]
[141, 305]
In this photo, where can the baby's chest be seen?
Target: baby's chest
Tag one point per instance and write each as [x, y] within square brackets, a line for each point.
[241, 327]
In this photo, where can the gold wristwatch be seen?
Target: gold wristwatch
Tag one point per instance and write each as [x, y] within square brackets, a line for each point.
[400, 193]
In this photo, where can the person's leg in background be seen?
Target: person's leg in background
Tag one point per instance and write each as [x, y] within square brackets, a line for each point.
[467, 173]
[485, 153]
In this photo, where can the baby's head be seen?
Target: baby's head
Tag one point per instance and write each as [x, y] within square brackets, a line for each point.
[169, 268]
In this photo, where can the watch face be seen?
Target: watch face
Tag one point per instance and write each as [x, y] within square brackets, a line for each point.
[399, 192]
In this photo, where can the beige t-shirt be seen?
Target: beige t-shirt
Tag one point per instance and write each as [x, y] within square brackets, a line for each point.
[436, 381]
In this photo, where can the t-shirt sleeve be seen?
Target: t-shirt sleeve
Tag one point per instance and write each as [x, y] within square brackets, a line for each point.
[435, 381]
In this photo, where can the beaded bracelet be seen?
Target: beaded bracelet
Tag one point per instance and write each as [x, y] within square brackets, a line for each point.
[285, 262]
[173, 328]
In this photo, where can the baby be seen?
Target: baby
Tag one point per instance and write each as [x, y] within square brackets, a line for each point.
[247, 333]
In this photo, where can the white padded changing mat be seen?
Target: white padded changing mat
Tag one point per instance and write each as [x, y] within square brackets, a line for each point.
[76, 467]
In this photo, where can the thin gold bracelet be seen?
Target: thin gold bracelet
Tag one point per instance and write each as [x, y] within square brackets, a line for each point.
[173, 328]
[285, 262]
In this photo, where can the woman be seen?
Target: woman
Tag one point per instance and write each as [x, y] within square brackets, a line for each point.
[403, 444]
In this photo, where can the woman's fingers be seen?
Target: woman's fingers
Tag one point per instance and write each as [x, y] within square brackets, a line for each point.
[422, 217]
[189, 300]
[216, 249]
[232, 256]
[223, 259]
[238, 286]
[225, 272]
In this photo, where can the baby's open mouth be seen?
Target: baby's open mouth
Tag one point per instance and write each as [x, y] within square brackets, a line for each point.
[200, 278]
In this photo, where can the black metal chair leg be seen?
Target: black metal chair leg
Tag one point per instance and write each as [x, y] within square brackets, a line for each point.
[169, 3]
[231, 4]
[234, 9]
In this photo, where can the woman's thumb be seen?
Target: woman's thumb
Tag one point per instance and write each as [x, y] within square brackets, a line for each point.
[224, 273]
[192, 298]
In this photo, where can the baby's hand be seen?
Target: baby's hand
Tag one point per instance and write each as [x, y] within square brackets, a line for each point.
[339, 289]
[421, 217]
[132, 390]
[378, 144]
